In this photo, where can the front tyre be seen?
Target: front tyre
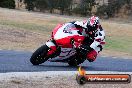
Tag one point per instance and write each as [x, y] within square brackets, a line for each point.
[39, 56]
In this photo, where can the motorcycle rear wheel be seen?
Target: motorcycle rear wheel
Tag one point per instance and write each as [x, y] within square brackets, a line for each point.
[75, 60]
[39, 56]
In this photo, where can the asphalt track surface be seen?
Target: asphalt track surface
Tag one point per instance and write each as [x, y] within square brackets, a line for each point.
[18, 61]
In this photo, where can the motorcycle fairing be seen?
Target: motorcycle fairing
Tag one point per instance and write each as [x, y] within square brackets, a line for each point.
[64, 55]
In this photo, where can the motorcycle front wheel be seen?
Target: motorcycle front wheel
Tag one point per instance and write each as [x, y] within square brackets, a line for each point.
[39, 56]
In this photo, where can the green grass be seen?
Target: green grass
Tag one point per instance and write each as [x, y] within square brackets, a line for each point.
[28, 26]
[122, 44]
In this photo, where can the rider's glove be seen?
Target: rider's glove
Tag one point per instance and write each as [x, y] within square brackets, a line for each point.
[86, 48]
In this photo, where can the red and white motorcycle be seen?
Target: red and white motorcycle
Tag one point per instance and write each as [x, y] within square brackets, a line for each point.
[61, 47]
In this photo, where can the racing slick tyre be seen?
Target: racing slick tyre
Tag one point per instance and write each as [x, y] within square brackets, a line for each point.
[39, 56]
[75, 60]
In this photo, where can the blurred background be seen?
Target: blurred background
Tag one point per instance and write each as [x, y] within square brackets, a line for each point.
[103, 8]
[27, 24]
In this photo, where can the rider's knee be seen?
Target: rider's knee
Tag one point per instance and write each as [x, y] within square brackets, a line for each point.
[91, 56]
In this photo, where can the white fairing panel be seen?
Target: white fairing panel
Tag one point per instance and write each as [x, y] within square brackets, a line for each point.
[99, 35]
[50, 43]
[61, 34]
[65, 53]
[81, 23]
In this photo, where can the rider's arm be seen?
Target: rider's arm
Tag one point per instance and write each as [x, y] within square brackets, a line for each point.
[99, 40]
[81, 24]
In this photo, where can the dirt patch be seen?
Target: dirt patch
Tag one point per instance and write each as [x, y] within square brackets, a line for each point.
[14, 38]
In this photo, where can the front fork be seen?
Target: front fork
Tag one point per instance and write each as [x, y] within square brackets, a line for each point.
[53, 50]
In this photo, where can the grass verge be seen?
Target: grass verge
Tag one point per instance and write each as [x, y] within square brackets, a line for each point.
[119, 44]
[27, 26]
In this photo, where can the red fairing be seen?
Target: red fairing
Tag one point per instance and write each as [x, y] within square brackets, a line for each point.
[56, 29]
[66, 42]
[92, 55]
[52, 50]
[78, 38]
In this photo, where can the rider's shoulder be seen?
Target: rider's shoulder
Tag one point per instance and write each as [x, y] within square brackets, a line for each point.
[100, 28]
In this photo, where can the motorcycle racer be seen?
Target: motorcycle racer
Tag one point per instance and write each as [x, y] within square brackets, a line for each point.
[88, 36]
[93, 32]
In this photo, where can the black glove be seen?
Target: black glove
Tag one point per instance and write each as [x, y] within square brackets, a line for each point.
[84, 49]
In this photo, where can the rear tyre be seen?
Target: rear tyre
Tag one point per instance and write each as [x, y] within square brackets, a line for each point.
[75, 60]
[39, 56]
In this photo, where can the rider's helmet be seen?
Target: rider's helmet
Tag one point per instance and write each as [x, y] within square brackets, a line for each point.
[93, 24]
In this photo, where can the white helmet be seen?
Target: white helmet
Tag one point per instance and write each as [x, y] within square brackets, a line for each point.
[93, 23]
